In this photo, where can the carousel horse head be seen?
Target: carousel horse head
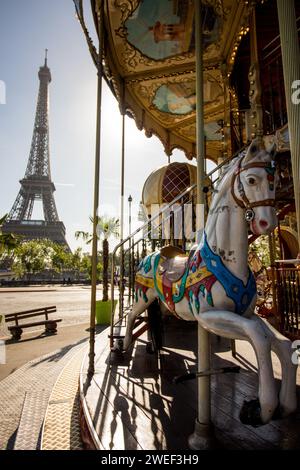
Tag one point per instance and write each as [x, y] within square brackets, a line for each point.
[253, 187]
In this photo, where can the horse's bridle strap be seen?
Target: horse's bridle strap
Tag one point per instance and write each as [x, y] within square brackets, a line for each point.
[244, 202]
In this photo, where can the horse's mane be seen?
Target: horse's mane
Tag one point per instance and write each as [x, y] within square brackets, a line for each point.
[226, 173]
[229, 166]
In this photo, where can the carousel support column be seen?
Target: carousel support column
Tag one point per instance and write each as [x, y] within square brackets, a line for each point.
[255, 92]
[91, 368]
[131, 250]
[203, 436]
[226, 120]
[291, 71]
[121, 285]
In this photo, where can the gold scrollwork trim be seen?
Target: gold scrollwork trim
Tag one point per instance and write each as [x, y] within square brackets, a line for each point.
[127, 7]
[133, 57]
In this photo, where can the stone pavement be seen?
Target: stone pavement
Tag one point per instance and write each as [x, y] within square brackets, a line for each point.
[72, 302]
[35, 344]
[61, 429]
[28, 386]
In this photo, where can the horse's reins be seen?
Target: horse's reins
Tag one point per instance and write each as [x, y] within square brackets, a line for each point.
[244, 202]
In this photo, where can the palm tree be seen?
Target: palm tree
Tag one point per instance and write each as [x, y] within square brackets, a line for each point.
[107, 227]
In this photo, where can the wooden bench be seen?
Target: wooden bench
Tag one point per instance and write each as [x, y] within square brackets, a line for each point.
[17, 329]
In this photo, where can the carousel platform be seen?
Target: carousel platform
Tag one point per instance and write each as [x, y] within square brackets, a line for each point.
[132, 403]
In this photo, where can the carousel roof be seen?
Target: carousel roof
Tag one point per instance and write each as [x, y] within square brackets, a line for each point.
[149, 56]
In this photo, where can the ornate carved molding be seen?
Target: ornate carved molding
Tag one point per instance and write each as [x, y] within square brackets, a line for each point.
[127, 7]
[132, 57]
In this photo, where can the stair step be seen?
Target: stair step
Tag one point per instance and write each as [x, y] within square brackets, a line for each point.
[31, 421]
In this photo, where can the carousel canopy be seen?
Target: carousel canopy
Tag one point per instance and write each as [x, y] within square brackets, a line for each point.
[149, 58]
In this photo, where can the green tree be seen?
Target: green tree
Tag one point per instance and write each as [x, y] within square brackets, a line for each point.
[61, 258]
[31, 257]
[261, 247]
[8, 241]
[86, 267]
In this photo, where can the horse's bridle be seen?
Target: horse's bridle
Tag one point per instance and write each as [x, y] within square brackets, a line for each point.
[244, 202]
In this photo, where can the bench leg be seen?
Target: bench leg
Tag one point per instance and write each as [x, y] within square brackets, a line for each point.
[51, 328]
[16, 333]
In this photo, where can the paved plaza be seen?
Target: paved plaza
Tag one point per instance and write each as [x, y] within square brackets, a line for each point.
[72, 302]
[34, 363]
[73, 306]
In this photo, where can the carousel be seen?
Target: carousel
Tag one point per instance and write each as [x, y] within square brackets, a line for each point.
[201, 351]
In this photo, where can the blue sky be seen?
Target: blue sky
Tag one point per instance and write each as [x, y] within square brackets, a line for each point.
[26, 29]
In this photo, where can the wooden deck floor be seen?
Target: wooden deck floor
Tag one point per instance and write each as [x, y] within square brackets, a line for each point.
[134, 404]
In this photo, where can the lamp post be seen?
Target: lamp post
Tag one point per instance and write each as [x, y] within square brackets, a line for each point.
[129, 220]
[130, 257]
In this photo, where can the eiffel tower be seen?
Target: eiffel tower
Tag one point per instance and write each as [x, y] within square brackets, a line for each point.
[37, 184]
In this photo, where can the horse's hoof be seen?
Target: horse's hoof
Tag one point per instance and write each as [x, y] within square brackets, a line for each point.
[250, 413]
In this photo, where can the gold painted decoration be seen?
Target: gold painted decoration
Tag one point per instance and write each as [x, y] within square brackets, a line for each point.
[150, 51]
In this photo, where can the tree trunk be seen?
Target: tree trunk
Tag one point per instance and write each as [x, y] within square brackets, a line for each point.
[105, 249]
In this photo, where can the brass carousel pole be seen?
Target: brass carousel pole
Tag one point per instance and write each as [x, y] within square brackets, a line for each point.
[121, 286]
[91, 369]
[291, 71]
[202, 438]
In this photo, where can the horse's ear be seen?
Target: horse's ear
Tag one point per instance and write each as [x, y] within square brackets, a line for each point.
[270, 145]
[256, 146]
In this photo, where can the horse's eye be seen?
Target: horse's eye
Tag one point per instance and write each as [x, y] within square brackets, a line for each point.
[251, 181]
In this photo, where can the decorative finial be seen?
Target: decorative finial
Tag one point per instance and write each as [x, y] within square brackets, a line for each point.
[46, 57]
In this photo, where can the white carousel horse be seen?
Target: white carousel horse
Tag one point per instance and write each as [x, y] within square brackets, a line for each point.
[215, 286]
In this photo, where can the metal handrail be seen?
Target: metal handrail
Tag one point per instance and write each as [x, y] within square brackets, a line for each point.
[177, 198]
[149, 222]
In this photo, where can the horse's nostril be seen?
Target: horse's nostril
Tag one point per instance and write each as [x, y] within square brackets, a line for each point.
[263, 223]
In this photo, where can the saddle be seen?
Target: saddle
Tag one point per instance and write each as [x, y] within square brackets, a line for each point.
[174, 263]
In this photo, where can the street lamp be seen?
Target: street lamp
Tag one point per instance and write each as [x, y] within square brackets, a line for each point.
[130, 255]
[130, 201]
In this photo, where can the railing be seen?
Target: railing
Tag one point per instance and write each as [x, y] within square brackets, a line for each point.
[157, 232]
[288, 300]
